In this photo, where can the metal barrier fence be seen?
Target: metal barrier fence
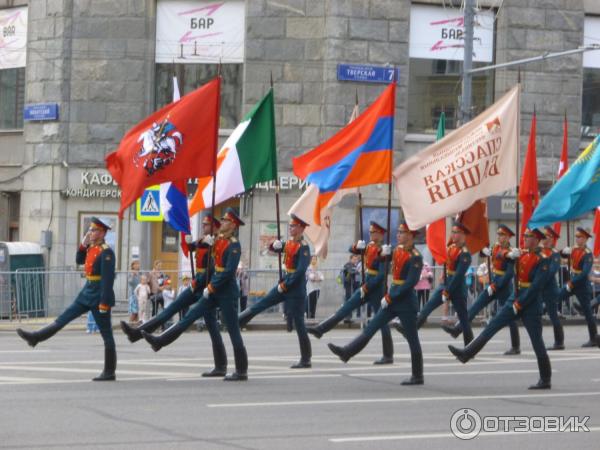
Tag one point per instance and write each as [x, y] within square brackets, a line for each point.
[28, 293]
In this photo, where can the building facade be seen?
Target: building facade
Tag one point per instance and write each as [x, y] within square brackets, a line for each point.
[94, 68]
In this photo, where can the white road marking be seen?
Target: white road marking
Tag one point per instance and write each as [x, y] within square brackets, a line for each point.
[401, 399]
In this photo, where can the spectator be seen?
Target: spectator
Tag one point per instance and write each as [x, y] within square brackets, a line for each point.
[156, 286]
[314, 278]
[133, 279]
[92, 326]
[168, 294]
[423, 286]
[142, 293]
[186, 282]
[244, 283]
[350, 272]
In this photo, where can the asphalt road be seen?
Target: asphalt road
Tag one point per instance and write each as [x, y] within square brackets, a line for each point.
[160, 401]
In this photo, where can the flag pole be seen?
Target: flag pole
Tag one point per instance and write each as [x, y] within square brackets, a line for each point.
[214, 173]
[389, 202]
[517, 209]
[279, 264]
[360, 217]
[568, 221]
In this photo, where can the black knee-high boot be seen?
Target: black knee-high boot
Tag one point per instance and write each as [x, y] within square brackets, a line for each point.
[515, 340]
[593, 332]
[305, 353]
[470, 350]
[34, 337]
[559, 338]
[164, 339]
[241, 366]
[545, 374]
[220, 357]
[417, 370]
[134, 334]
[110, 365]
[319, 330]
[388, 351]
[245, 317]
[467, 335]
[351, 349]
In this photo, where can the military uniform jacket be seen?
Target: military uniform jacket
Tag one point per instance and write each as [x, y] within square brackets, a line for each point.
[99, 266]
[296, 259]
[226, 255]
[551, 288]
[503, 268]
[457, 264]
[534, 270]
[201, 256]
[374, 265]
[581, 266]
[407, 264]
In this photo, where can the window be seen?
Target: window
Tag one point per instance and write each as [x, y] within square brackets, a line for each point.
[12, 93]
[192, 76]
[436, 55]
[590, 105]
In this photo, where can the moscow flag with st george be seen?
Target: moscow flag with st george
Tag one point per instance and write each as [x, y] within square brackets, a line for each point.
[177, 142]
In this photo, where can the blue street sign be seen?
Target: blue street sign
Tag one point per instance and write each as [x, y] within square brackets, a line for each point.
[367, 74]
[148, 206]
[41, 111]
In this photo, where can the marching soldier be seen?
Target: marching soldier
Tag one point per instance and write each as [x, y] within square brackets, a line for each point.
[221, 292]
[526, 305]
[579, 285]
[455, 287]
[371, 291]
[401, 302]
[96, 296]
[190, 296]
[500, 288]
[291, 289]
[551, 291]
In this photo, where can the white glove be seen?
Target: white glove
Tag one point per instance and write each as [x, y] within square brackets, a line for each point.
[205, 292]
[444, 298]
[361, 245]
[514, 253]
[515, 310]
[189, 239]
[362, 293]
[279, 288]
[486, 251]
[384, 303]
[490, 290]
[386, 250]
[567, 250]
[85, 241]
[208, 240]
[277, 244]
[568, 287]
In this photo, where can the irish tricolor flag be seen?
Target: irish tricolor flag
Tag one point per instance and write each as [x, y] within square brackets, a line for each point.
[248, 157]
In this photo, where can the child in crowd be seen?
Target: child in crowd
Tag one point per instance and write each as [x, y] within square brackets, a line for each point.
[142, 293]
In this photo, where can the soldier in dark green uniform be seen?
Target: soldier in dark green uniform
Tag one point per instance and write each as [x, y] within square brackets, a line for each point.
[370, 292]
[582, 261]
[190, 296]
[222, 291]
[401, 302]
[291, 289]
[500, 287]
[96, 296]
[526, 304]
[551, 291]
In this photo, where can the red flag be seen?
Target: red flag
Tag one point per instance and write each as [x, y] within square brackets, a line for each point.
[435, 236]
[563, 166]
[176, 142]
[529, 194]
[597, 232]
[476, 220]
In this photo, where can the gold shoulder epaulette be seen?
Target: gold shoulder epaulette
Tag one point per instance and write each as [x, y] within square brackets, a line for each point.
[105, 246]
[587, 250]
[233, 239]
[416, 252]
[465, 249]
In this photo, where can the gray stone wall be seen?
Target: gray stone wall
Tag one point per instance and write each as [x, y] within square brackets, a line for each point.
[553, 87]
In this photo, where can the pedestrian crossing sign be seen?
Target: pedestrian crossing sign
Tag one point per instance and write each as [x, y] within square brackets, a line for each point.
[148, 206]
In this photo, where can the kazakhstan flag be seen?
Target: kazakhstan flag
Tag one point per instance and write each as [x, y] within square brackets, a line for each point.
[575, 193]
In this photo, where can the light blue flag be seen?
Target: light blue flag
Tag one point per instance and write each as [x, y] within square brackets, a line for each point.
[575, 193]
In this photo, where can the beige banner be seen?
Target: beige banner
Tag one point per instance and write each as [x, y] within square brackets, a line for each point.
[475, 161]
